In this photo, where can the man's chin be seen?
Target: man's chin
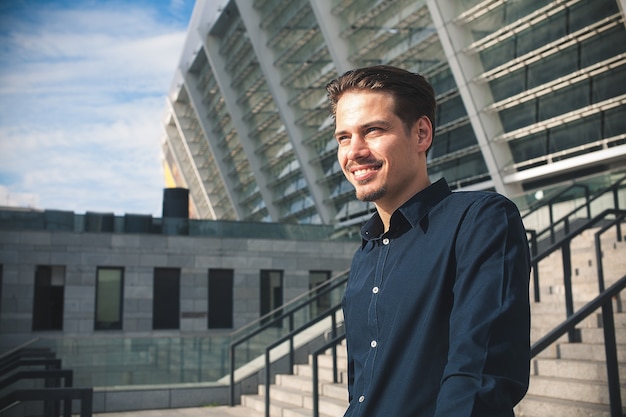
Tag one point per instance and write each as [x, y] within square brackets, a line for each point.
[370, 195]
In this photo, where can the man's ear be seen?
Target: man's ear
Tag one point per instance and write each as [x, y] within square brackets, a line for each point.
[423, 129]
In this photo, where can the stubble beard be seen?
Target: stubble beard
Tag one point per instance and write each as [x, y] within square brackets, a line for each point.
[372, 195]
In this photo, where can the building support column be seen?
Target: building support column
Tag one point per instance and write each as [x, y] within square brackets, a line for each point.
[266, 58]
[475, 96]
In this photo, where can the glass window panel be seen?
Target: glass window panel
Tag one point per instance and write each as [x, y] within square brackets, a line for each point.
[461, 138]
[542, 33]
[585, 13]
[529, 147]
[319, 280]
[271, 293]
[501, 53]
[508, 85]
[605, 45]
[575, 134]
[519, 116]
[220, 298]
[450, 110]
[608, 85]
[564, 100]
[49, 297]
[166, 299]
[553, 67]
[109, 296]
[517, 9]
[615, 122]
[440, 145]
[442, 81]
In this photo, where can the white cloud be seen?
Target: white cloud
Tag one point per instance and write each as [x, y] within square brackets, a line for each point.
[8, 199]
[82, 93]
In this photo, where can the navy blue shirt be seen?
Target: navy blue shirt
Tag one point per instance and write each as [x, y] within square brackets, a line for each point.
[436, 310]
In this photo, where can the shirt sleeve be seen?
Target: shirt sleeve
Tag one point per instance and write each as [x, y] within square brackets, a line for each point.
[489, 353]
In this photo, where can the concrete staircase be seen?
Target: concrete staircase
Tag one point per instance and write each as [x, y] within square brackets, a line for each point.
[291, 395]
[567, 379]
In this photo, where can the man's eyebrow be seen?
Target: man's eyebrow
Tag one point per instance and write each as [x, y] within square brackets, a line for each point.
[382, 123]
[367, 125]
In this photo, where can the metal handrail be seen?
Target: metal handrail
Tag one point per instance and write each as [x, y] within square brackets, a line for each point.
[550, 202]
[332, 344]
[84, 395]
[313, 295]
[564, 245]
[331, 312]
[52, 375]
[566, 327]
[613, 188]
[604, 301]
[332, 283]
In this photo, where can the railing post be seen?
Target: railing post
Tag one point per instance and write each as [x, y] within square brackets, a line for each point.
[267, 382]
[291, 347]
[231, 394]
[608, 327]
[612, 365]
[334, 335]
[552, 234]
[315, 393]
[587, 202]
[567, 283]
[86, 403]
[535, 264]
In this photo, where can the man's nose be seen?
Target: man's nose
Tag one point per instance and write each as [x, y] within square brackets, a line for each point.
[358, 148]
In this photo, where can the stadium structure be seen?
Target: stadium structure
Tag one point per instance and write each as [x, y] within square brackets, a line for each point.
[531, 95]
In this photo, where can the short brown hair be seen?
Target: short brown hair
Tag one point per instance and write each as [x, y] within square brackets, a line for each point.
[414, 97]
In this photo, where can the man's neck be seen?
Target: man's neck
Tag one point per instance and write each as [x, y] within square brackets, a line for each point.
[385, 212]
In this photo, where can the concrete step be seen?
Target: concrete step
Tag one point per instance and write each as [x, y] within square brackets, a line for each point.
[285, 394]
[568, 379]
[588, 351]
[551, 320]
[597, 336]
[584, 370]
[328, 407]
[569, 389]
[540, 406]
[324, 374]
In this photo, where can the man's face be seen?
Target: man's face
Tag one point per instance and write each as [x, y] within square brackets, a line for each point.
[377, 154]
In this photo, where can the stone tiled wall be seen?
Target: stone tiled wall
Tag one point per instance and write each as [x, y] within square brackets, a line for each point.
[81, 253]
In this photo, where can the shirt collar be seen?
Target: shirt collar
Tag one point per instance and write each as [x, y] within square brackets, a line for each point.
[409, 214]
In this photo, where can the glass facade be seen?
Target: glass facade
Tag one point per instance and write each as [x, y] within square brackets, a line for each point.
[529, 93]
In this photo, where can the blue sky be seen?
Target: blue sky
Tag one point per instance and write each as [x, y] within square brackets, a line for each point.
[83, 85]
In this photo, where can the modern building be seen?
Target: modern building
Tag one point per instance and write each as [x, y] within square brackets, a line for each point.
[133, 301]
[531, 94]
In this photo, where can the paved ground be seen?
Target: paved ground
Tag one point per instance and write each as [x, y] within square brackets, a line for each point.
[221, 411]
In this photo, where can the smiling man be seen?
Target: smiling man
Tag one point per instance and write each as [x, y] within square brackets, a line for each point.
[436, 307]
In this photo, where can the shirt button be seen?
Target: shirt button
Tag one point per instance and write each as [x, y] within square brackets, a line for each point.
[375, 290]
[362, 398]
[386, 241]
[373, 343]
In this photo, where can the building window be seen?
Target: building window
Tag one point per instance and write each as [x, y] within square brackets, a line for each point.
[220, 298]
[49, 297]
[109, 296]
[166, 299]
[271, 293]
[318, 280]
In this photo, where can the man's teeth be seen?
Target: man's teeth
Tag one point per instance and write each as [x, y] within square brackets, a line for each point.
[362, 171]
